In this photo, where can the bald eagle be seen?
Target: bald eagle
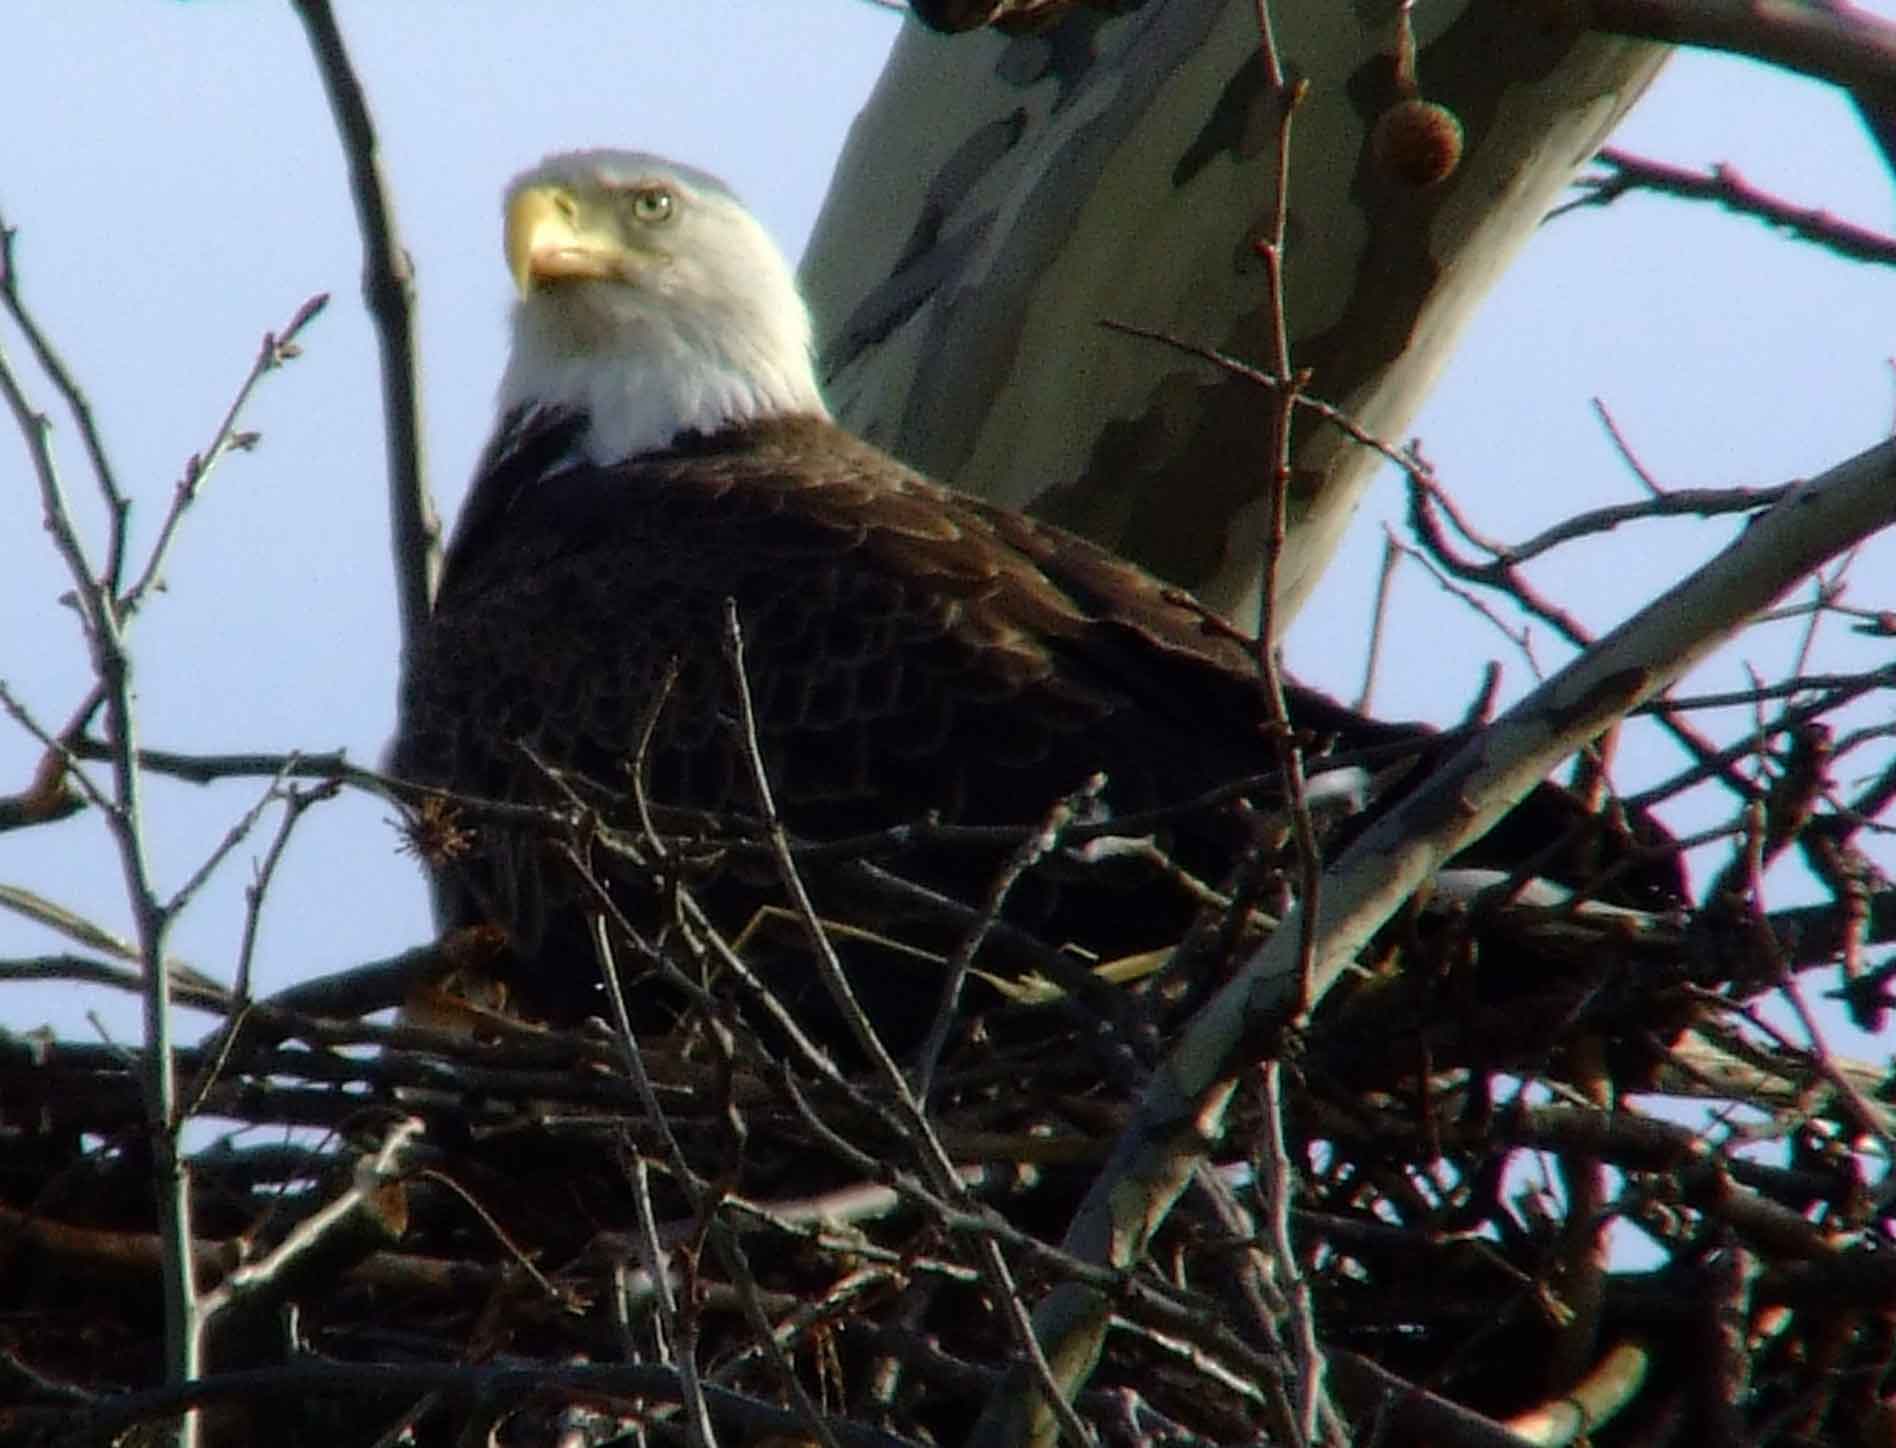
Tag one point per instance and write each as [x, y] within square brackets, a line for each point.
[913, 654]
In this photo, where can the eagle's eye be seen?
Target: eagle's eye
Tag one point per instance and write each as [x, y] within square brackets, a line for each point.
[652, 204]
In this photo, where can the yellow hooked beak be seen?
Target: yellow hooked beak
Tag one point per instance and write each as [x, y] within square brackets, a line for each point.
[548, 242]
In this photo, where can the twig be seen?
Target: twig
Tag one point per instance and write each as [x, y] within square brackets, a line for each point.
[1035, 848]
[274, 351]
[1522, 638]
[296, 803]
[1677, 503]
[1379, 620]
[1276, 1174]
[1307, 1397]
[301, 1381]
[56, 748]
[1839, 689]
[731, 1253]
[77, 403]
[679, 1341]
[1723, 186]
[1424, 494]
[238, 832]
[1624, 447]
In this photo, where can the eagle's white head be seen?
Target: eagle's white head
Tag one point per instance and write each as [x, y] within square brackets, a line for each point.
[650, 301]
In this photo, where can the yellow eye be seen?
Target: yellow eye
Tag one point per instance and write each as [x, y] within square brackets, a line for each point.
[652, 204]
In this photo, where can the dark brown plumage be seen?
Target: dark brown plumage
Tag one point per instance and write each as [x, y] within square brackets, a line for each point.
[910, 652]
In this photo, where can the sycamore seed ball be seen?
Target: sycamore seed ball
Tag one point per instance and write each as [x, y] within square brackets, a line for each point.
[1417, 142]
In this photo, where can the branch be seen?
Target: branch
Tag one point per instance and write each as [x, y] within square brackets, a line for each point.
[77, 403]
[275, 350]
[1723, 186]
[1836, 41]
[388, 289]
[104, 623]
[1181, 1112]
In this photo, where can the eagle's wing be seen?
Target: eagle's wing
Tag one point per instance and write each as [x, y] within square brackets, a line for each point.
[903, 644]
[909, 652]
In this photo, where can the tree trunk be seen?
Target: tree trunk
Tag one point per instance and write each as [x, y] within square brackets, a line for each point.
[1001, 197]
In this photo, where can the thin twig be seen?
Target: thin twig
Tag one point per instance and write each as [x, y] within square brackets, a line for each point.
[275, 350]
[1379, 620]
[1723, 186]
[75, 398]
[1035, 848]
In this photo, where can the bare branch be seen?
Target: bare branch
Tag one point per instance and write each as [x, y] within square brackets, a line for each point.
[1723, 186]
[276, 349]
[1835, 41]
[388, 287]
[1184, 1104]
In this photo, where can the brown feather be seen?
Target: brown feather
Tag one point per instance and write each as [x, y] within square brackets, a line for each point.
[910, 652]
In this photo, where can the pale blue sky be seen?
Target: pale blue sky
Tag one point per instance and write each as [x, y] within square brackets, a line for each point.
[178, 189]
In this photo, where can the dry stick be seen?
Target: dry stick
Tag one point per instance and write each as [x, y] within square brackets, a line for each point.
[679, 1344]
[933, 1157]
[731, 1254]
[78, 969]
[1308, 1395]
[1181, 1113]
[1723, 186]
[1522, 638]
[77, 403]
[1030, 852]
[1391, 1401]
[254, 894]
[106, 612]
[1841, 687]
[1624, 447]
[296, 803]
[264, 1279]
[56, 746]
[1678, 503]
[388, 289]
[234, 836]
[1379, 618]
[679, 1326]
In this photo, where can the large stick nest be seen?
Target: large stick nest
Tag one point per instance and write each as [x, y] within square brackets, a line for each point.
[1554, 1169]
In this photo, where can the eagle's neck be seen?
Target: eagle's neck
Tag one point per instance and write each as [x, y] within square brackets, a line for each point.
[653, 378]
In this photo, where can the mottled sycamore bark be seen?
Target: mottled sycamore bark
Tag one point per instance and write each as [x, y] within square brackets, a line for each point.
[1002, 197]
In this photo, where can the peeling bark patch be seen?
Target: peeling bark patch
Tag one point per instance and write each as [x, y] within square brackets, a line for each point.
[1432, 814]
[1239, 123]
[974, 333]
[932, 255]
[967, 166]
[1069, 52]
[1614, 694]
[1154, 499]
